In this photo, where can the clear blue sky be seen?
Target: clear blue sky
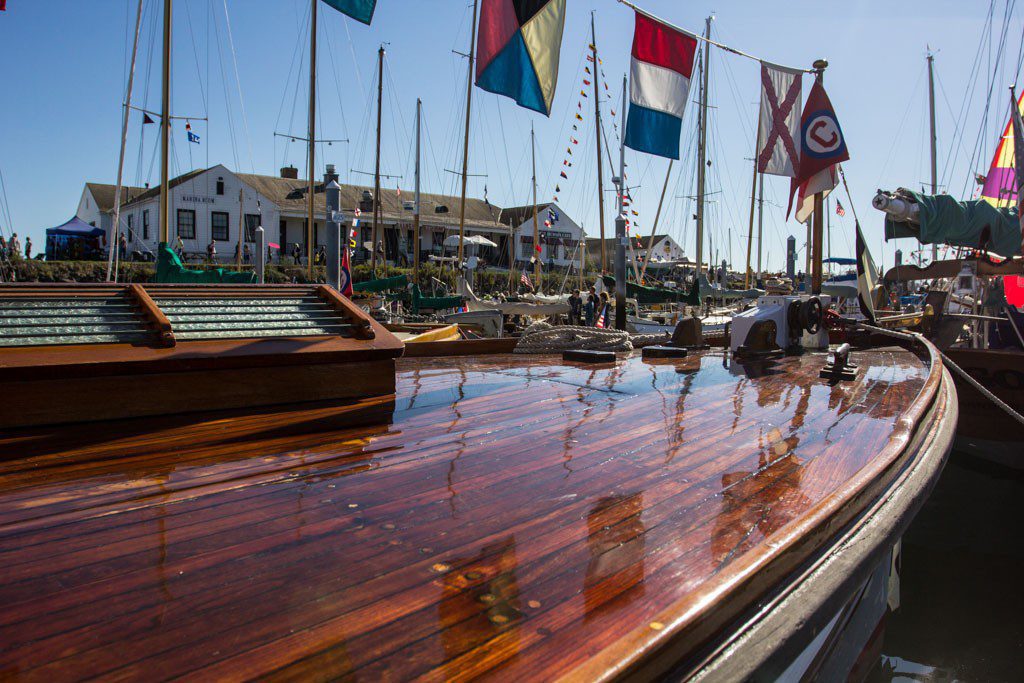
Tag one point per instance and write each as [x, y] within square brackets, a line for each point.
[65, 68]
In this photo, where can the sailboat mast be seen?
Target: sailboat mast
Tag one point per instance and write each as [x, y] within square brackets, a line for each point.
[818, 219]
[622, 153]
[416, 201]
[702, 155]
[376, 167]
[657, 216]
[311, 169]
[536, 227]
[597, 139]
[622, 178]
[116, 229]
[465, 138]
[760, 221]
[931, 136]
[753, 194]
[165, 128]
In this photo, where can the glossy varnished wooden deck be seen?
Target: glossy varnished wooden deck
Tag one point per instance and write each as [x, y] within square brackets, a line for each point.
[518, 518]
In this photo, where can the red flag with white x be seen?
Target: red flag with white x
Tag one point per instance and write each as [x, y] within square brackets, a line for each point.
[779, 121]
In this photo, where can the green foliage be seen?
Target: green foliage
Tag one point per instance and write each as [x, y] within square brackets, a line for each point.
[487, 281]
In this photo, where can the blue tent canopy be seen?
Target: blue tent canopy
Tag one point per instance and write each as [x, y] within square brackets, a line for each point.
[76, 240]
[840, 261]
[76, 227]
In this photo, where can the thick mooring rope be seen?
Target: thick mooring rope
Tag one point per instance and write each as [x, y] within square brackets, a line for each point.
[542, 337]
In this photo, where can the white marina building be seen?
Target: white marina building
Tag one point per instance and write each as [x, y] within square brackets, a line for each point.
[219, 204]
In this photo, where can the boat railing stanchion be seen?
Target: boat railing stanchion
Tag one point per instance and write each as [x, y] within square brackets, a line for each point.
[620, 272]
[261, 255]
[333, 197]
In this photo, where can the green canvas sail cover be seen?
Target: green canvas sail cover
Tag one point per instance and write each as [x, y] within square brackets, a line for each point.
[169, 269]
[657, 295]
[382, 285]
[435, 303]
[974, 224]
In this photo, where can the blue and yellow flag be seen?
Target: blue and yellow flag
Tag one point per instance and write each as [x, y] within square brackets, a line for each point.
[518, 47]
[360, 10]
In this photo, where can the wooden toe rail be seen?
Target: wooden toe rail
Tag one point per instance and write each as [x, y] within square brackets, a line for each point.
[154, 317]
[355, 315]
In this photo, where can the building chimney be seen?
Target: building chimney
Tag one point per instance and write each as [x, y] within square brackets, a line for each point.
[290, 172]
[330, 175]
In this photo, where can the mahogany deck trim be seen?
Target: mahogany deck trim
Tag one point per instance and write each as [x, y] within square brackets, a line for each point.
[694, 620]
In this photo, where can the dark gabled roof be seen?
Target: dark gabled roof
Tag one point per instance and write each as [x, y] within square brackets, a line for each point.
[103, 194]
[517, 215]
[289, 194]
[173, 182]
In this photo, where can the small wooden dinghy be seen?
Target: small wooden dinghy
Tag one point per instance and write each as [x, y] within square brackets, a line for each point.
[503, 517]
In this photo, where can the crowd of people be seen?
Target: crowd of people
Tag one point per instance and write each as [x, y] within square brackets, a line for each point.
[10, 250]
[592, 311]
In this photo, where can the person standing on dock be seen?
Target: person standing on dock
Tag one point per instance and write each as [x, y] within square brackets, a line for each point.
[247, 254]
[575, 307]
[211, 251]
[28, 247]
[588, 311]
[122, 246]
[179, 247]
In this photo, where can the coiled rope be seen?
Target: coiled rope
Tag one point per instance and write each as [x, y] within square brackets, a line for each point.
[542, 337]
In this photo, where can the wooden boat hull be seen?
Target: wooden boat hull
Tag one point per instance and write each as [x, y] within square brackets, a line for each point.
[513, 518]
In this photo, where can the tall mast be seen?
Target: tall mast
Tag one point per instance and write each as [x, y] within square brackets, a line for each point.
[702, 156]
[536, 227]
[115, 231]
[376, 167]
[416, 202]
[165, 128]
[657, 216]
[828, 229]
[465, 138]
[622, 153]
[311, 170]
[597, 139]
[931, 137]
[760, 220]
[819, 223]
[753, 194]
[622, 177]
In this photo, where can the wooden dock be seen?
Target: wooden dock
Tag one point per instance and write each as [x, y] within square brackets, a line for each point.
[514, 518]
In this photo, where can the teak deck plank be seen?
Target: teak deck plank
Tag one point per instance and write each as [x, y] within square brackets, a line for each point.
[518, 517]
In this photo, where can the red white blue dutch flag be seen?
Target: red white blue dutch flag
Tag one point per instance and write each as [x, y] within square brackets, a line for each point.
[659, 86]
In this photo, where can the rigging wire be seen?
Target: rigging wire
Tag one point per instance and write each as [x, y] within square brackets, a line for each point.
[238, 83]
[980, 144]
[960, 125]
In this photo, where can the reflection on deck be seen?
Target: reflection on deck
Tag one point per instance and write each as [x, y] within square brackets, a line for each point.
[515, 517]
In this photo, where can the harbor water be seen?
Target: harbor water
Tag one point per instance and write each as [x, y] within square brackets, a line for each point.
[961, 614]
